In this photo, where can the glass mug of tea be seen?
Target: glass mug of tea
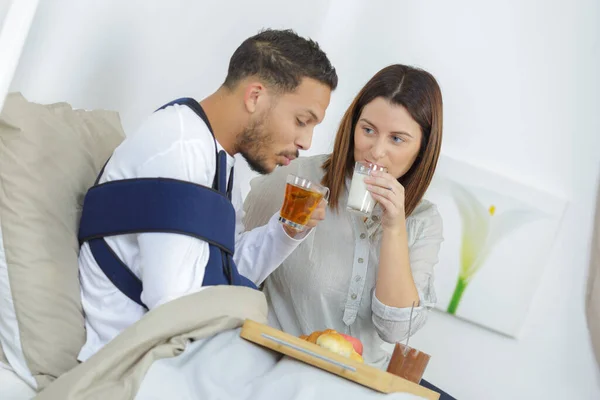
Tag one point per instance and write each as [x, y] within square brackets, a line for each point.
[302, 197]
[360, 200]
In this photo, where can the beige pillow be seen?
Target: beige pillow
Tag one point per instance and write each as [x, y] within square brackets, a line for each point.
[49, 157]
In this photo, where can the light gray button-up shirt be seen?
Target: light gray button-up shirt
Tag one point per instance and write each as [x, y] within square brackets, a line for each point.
[328, 282]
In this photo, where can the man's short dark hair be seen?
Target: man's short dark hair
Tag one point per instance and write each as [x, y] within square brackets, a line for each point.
[281, 58]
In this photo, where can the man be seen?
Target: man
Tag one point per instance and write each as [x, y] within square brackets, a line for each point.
[159, 223]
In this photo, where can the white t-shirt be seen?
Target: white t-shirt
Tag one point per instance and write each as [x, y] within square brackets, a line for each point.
[172, 143]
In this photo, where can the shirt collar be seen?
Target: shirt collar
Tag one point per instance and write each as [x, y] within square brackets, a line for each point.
[230, 159]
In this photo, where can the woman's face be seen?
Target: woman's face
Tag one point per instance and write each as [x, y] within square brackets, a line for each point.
[388, 136]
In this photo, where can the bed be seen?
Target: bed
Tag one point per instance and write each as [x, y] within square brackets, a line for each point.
[188, 348]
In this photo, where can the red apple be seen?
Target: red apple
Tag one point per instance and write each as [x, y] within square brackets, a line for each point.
[358, 347]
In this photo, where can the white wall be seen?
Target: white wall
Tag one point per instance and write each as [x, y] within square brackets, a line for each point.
[4, 6]
[15, 20]
[521, 87]
[522, 94]
[135, 55]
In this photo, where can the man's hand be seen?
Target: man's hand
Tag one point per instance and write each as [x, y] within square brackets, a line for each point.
[317, 216]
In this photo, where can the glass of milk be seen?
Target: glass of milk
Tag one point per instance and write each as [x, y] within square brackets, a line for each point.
[360, 200]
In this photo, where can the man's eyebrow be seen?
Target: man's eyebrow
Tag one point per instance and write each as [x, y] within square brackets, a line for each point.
[312, 114]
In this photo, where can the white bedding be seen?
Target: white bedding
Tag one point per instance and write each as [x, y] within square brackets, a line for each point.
[190, 348]
[228, 367]
[12, 387]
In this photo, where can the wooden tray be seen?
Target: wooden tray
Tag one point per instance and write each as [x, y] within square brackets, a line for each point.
[317, 356]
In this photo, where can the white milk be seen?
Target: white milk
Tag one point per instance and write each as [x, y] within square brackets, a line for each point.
[359, 198]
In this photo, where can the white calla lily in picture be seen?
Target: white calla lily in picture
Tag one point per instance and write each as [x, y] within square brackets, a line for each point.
[482, 228]
[498, 235]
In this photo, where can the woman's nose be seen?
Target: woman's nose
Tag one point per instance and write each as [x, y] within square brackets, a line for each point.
[378, 150]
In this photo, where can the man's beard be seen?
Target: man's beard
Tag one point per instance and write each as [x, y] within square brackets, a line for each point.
[254, 144]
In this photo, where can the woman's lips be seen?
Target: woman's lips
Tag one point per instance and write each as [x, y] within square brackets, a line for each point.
[371, 162]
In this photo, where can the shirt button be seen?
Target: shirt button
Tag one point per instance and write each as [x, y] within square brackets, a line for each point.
[362, 236]
[353, 296]
[360, 260]
[357, 279]
[375, 218]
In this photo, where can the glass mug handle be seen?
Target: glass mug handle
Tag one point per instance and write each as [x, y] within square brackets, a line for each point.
[326, 195]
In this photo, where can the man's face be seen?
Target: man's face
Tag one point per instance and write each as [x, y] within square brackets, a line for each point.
[282, 125]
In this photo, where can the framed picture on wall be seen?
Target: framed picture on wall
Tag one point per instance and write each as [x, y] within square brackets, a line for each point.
[498, 236]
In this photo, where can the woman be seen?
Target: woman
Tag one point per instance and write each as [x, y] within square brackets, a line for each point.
[361, 276]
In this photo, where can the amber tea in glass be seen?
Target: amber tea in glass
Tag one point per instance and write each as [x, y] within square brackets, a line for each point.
[301, 198]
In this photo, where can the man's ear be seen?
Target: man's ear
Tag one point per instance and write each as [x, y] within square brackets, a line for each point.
[254, 94]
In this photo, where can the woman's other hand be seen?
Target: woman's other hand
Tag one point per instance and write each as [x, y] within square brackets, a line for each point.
[390, 194]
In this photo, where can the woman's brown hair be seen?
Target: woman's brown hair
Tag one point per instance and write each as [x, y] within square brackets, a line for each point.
[418, 92]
